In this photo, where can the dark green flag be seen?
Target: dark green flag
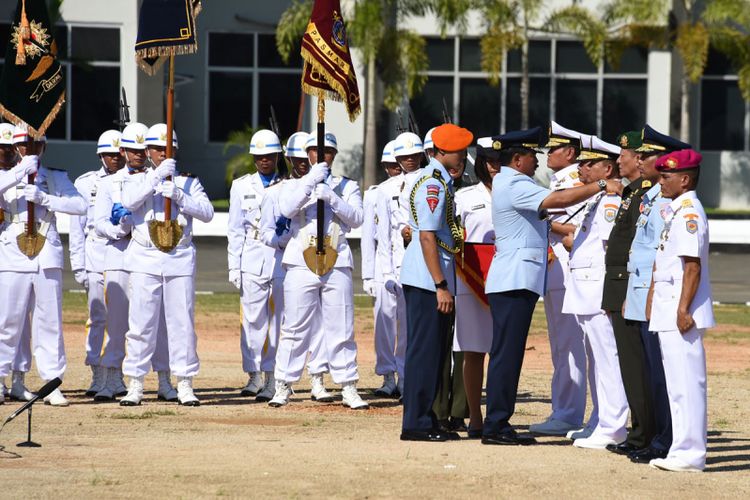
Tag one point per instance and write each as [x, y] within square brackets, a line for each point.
[32, 85]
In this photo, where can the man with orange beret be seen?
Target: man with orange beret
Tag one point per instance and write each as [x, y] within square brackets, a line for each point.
[428, 280]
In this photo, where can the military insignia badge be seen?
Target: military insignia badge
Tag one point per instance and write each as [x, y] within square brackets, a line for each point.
[163, 136]
[339, 30]
[7, 135]
[624, 141]
[496, 145]
[646, 184]
[691, 226]
[433, 197]
[687, 203]
[671, 163]
[574, 175]
[115, 143]
[610, 212]
[140, 139]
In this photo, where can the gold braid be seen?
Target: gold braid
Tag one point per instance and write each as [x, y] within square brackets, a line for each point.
[450, 213]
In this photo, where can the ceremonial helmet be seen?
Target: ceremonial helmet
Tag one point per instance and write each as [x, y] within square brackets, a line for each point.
[264, 142]
[6, 134]
[387, 156]
[157, 136]
[428, 144]
[407, 143]
[109, 142]
[329, 141]
[21, 134]
[134, 136]
[295, 145]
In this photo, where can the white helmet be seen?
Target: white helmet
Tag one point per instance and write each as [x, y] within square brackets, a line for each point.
[407, 143]
[387, 156]
[264, 142]
[6, 133]
[428, 139]
[21, 134]
[109, 142]
[157, 136]
[134, 136]
[330, 141]
[295, 145]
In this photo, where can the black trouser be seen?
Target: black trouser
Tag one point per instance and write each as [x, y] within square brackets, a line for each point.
[511, 318]
[450, 400]
[634, 371]
[426, 332]
[658, 384]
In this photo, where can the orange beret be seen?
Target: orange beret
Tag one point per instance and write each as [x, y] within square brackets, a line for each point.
[450, 138]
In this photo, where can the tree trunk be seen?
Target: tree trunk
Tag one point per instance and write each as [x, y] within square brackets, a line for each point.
[525, 74]
[371, 137]
[685, 110]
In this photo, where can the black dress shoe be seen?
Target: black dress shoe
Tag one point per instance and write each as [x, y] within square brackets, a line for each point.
[623, 448]
[474, 433]
[510, 437]
[457, 425]
[431, 435]
[645, 455]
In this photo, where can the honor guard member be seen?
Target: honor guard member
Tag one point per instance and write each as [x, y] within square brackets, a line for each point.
[22, 360]
[428, 280]
[378, 273]
[275, 233]
[565, 336]
[519, 208]
[162, 278]
[252, 265]
[473, 331]
[308, 294]
[640, 265]
[429, 146]
[409, 153]
[680, 308]
[30, 274]
[87, 249]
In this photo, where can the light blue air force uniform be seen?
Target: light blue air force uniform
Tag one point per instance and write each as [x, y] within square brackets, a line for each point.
[643, 251]
[430, 203]
[520, 260]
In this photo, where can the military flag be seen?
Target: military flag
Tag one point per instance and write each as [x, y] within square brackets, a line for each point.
[474, 266]
[165, 28]
[32, 85]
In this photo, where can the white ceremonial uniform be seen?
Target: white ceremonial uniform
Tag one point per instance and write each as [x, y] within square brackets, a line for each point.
[37, 280]
[307, 295]
[685, 234]
[87, 249]
[390, 345]
[260, 267]
[566, 339]
[583, 297]
[162, 283]
[473, 331]
[407, 183]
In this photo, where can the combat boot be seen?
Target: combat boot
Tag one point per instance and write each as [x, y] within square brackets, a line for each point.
[108, 392]
[135, 392]
[281, 396]
[254, 384]
[350, 397]
[97, 380]
[318, 390]
[18, 390]
[166, 391]
[389, 388]
[269, 388]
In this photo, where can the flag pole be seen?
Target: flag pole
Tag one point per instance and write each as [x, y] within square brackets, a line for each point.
[320, 248]
[30, 222]
[170, 130]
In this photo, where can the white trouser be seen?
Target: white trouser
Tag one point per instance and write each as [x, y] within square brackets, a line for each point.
[390, 330]
[685, 371]
[44, 289]
[160, 360]
[568, 361]
[149, 296]
[593, 420]
[317, 360]
[22, 359]
[261, 305]
[116, 294]
[332, 298]
[97, 321]
[612, 403]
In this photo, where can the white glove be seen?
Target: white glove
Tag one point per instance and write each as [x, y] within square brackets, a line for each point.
[168, 189]
[81, 277]
[166, 169]
[368, 286]
[34, 194]
[126, 223]
[391, 284]
[324, 192]
[235, 278]
[317, 174]
[29, 165]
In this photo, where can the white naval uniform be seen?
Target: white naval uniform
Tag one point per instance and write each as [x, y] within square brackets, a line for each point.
[402, 215]
[87, 254]
[583, 297]
[390, 341]
[37, 280]
[567, 344]
[162, 282]
[473, 319]
[307, 295]
[260, 267]
[685, 235]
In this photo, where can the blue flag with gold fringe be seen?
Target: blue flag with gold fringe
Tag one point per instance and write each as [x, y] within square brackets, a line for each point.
[165, 28]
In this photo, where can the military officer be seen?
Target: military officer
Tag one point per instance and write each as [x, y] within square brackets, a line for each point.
[519, 219]
[162, 279]
[680, 308]
[308, 294]
[35, 279]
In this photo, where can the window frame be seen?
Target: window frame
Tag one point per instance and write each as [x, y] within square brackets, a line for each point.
[697, 113]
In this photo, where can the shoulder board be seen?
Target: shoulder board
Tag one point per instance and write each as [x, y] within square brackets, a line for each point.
[436, 174]
[687, 203]
[187, 174]
[646, 184]
[574, 174]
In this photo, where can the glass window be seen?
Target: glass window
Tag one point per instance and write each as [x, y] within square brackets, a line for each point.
[718, 64]
[632, 60]
[479, 107]
[230, 103]
[94, 100]
[470, 55]
[268, 56]
[61, 39]
[428, 106]
[230, 49]
[539, 96]
[539, 58]
[572, 58]
[95, 44]
[576, 105]
[283, 93]
[722, 116]
[440, 54]
[623, 107]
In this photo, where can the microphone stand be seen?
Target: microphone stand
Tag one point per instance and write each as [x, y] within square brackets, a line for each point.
[29, 443]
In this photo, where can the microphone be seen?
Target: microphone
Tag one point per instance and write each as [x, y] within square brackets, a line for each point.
[45, 391]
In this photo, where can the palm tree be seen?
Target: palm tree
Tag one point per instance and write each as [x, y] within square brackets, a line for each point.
[241, 162]
[728, 23]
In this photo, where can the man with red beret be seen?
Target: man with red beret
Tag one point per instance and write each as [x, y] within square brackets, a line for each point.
[428, 280]
[680, 309]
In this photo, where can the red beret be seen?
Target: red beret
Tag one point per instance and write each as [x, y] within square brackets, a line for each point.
[450, 138]
[684, 159]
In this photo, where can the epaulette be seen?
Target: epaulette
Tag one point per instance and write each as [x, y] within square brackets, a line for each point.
[187, 174]
[646, 184]
[574, 175]
[436, 174]
[687, 203]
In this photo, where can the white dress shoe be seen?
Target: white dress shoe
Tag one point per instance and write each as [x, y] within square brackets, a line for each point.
[135, 392]
[166, 392]
[56, 398]
[254, 384]
[389, 388]
[269, 389]
[281, 394]
[594, 442]
[350, 397]
[97, 380]
[185, 394]
[318, 389]
[673, 464]
[553, 427]
[18, 390]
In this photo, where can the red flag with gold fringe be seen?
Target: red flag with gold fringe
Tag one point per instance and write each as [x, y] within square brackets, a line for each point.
[473, 267]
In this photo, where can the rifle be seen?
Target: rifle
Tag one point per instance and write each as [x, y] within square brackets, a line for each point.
[399, 123]
[413, 126]
[446, 116]
[124, 110]
[281, 165]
